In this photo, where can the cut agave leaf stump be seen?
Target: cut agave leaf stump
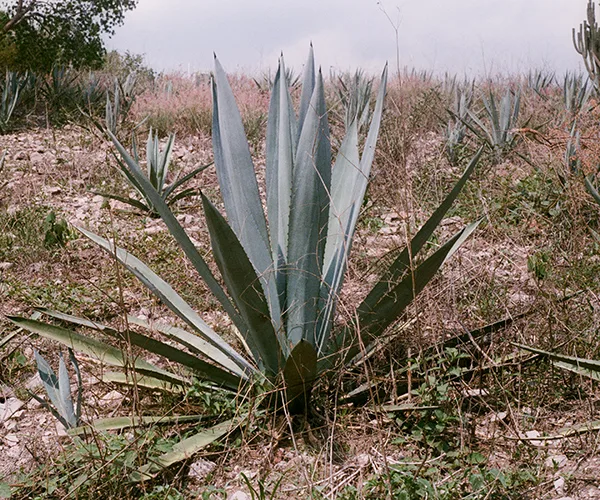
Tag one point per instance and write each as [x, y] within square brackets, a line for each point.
[282, 268]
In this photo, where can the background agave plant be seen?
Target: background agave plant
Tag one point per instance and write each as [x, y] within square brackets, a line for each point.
[283, 269]
[502, 119]
[158, 163]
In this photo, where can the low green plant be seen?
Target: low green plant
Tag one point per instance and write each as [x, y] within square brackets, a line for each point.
[56, 231]
[97, 468]
[282, 272]
[261, 492]
[158, 163]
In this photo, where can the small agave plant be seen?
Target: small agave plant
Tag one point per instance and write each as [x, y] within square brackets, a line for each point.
[58, 389]
[158, 163]
[282, 269]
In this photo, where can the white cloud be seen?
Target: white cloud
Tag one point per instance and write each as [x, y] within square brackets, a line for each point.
[454, 35]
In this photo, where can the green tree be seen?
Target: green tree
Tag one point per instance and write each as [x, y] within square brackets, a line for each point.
[36, 34]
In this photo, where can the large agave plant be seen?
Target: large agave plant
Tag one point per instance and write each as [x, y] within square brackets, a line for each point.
[282, 269]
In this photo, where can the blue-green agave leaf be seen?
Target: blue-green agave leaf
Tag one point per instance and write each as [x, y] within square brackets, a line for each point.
[179, 234]
[201, 368]
[280, 152]
[246, 289]
[299, 374]
[586, 367]
[350, 177]
[372, 323]
[57, 388]
[169, 297]
[402, 263]
[309, 215]
[185, 449]
[192, 342]
[308, 87]
[239, 187]
[99, 350]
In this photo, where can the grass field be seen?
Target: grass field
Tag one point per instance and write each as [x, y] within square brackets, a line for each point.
[454, 410]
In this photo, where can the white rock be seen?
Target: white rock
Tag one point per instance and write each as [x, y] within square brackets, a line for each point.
[238, 495]
[154, 229]
[559, 485]
[11, 439]
[200, 469]
[534, 434]
[5, 266]
[111, 398]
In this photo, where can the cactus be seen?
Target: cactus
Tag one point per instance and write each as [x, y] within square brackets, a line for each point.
[587, 44]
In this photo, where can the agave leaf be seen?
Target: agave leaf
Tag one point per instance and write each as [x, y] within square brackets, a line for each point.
[152, 159]
[129, 201]
[164, 161]
[591, 189]
[52, 385]
[308, 87]
[142, 381]
[348, 186]
[179, 234]
[299, 375]
[239, 187]
[280, 152]
[169, 297]
[402, 263]
[236, 175]
[79, 385]
[245, 288]
[64, 392]
[185, 449]
[201, 368]
[172, 187]
[308, 221]
[586, 367]
[186, 193]
[120, 423]
[372, 323]
[191, 341]
[94, 348]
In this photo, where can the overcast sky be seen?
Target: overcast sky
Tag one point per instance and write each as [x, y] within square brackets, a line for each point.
[472, 36]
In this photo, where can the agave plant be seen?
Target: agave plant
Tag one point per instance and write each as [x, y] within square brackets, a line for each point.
[158, 163]
[501, 120]
[576, 92]
[11, 94]
[456, 128]
[123, 98]
[354, 92]
[539, 80]
[59, 390]
[282, 270]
